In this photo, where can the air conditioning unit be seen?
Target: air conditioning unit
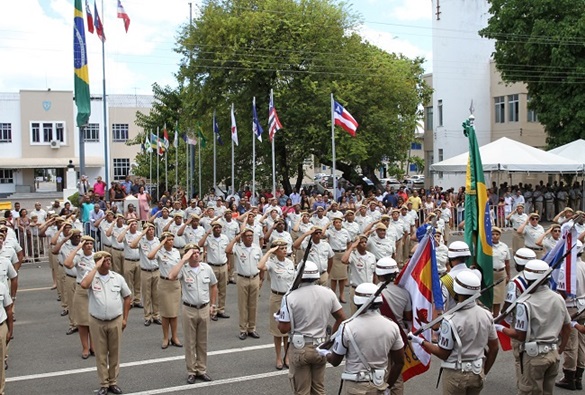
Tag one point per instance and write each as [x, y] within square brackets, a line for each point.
[55, 144]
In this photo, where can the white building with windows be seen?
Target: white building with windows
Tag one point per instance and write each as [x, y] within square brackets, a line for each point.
[38, 136]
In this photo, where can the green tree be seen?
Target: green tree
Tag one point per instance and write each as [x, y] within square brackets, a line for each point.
[539, 43]
[419, 163]
[304, 50]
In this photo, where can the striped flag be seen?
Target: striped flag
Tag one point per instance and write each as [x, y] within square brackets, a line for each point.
[189, 140]
[99, 28]
[256, 127]
[122, 15]
[81, 72]
[274, 124]
[344, 119]
[234, 127]
[89, 17]
[165, 137]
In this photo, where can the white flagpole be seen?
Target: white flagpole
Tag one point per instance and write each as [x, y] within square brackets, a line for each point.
[157, 164]
[105, 112]
[187, 190]
[273, 157]
[199, 152]
[214, 159]
[232, 155]
[166, 156]
[253, 156]
[150, 150]
[176, 158]
[333, 144]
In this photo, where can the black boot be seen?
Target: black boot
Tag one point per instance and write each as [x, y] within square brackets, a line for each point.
[567, 382]
[578, 376]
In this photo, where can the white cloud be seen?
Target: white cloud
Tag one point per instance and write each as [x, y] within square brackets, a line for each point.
[412, 10]
[393, 43]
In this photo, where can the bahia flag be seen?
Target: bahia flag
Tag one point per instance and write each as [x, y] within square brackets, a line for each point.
[256, 127]
[420, 278]
[99, 28]
[89, 17]
[122, 15]
[81, 72]
[234, 127]
[274, 124]
[478, 226]
[165, 137]
[344, 119]
[564, 278]
[216, 130]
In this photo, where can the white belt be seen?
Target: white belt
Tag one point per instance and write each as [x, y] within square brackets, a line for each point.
[464, 366]
[357, 377]
[314, 340]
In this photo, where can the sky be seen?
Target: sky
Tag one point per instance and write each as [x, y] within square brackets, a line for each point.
[36, 39]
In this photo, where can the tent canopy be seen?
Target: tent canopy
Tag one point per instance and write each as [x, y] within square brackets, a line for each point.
[573, 150]
[509, 155]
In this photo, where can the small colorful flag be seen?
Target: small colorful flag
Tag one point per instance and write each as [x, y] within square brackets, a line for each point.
[99, 28]
[122, 14]
[274, 124]
[256, 127]
[234, 127]
[165, 137]
[189, 140]
[344, 119]
[89, 17]
[147, 144]
[201, 137]
[81, 72]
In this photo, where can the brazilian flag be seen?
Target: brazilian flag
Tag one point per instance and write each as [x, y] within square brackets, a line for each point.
[82, 99]
[478, 226]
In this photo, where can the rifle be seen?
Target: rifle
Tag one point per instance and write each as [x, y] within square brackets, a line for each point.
[458, 307]
[524, 295]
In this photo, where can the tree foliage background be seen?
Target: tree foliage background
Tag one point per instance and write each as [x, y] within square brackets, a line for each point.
[540, 43]
[304, 50]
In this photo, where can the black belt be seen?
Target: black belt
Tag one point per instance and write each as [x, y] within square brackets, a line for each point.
[165, 278]
[254, 276]
[277, 293]
[324, 271]
[149, 270]
[107, 245]
[99, 319]
[118, 249]
[2, 323]
[195, 306]
[288, 255]
[131, 260]
[218, 264]
[70, 275]
[338, 250]
[353, 286]
[535, 248]
[499, 270]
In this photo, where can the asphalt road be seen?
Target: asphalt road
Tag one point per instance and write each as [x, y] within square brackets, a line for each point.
[43, 360]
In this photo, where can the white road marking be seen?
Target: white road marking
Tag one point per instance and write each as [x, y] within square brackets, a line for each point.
[33, 289]
[135, 363]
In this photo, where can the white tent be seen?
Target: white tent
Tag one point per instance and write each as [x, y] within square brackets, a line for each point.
[574, 150]
[512, 156]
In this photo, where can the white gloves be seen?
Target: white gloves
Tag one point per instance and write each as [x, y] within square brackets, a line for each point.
[276, 316]
[323, 351]
[415, 339]
[499, 327]
[573, 323]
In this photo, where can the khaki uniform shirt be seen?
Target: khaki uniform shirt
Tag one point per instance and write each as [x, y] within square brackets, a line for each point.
[114, 238]
[282, 274]
[230, 229]
[542, 315]
[361, 268]
[352, 227]
[106, 296]
[501, 253]
[531, 234]
[215, 248]
[246, 259]
[104, 226]
[5, 301]
[160, 223]
[319, 254]
[145, 246]
[398, 299]
[517, 220]
[83, 263]
[381, 247]
[66, 249]
[167, 260]
[178, 241]
[196, 282]
[131, 253]
[338, 239]
[193, 235]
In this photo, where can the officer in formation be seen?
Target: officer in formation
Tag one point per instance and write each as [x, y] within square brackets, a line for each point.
[532, 231]
[501, 264]
[199, 298]
[516, 218]
[463, 338]
[304, 316]
[362, 266]
[372, 346]
[6, 328]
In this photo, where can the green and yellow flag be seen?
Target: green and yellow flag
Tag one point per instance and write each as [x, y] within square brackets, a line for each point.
[82, 99]
[201, 137]
[478, 225]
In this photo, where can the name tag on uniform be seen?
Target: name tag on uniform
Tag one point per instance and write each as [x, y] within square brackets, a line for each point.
[189, 280]
[96, 287]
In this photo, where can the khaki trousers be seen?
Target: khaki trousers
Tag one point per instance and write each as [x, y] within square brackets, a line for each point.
[405, 249]
[323, 279]
[118, 261]
[195, 322]
[132, 277]
[106, 337]
[361, 388]
[222, 280]
[574, 353]
[307, 371]
[399, 253]
[3, 354]
[69, 291]
[149, 290]
[456, 382]
[517, 241]
[516, 352]
[352, 306]
[248, 289]
[231, 273]
[65, 304]
[539, 375]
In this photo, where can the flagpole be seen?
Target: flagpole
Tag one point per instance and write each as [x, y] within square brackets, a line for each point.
[150, 173]
[199, 152]
[273, 155]
[176, 156]
[157, 164]
[232, 155]
[253, 156]
[333, 144]
[214, 158]
[105, 109]
[166, 156]
[187, 190]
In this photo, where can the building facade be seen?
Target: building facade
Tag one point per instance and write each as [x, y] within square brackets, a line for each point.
[38, 137]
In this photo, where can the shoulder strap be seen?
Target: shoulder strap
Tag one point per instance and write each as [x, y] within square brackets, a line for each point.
[456, 336]
[448, 283]
[351, 339]
[521, 283]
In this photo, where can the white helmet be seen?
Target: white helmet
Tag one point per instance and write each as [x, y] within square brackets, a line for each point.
[458, 249]
[385, 266]
[363, 293]
[535, 269]
[579, 247]
[311, 271]
[466, 283]
[524, 255]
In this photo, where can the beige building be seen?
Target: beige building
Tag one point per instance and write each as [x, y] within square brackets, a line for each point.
[38, 137]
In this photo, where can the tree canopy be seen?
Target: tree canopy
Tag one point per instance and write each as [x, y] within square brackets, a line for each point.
[304, 50]
[538, 42]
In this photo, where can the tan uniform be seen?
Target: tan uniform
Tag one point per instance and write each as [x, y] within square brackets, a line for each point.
[196, 283]
[169, 291]
[338, 240]
[374, 336]
[160, 223]
[193, 235]
[179, 242]
[132, 266]
[5, 301]
[466, 333]
[217, 258]
[83, 264]
[70, 277]
[381, 247]
[308, 309]
[531, 234]
[105, 240]
[149, 278]
[501, 254]
[106, 305]
[246, 264]
[574, 354]
[361, 270]
[320, 254]
[282, 275]
[352, 227]
[515, 287]
[542, 316]
[117, 250]
[516, 220]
